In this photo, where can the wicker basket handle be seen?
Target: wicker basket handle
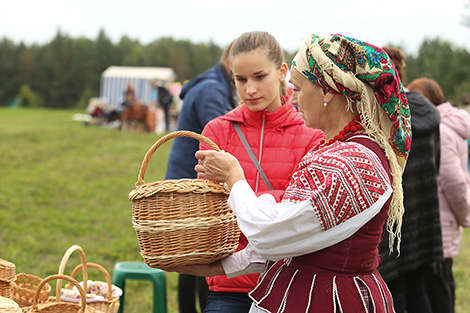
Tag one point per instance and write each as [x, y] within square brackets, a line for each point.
[59, 283]
[161, 141]
[106, 275]
[65, 258]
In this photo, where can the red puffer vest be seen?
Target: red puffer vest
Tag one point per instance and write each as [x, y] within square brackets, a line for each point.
[283, 140]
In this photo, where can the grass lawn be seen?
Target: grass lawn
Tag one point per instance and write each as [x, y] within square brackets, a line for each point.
[63, 183]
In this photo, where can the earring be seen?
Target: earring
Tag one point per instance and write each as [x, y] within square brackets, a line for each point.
[325, 104]
[282, 79]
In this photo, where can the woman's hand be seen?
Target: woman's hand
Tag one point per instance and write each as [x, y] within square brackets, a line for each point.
[219, 166]
[205, 270]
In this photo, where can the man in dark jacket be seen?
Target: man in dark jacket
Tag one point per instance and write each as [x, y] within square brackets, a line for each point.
[209, 95]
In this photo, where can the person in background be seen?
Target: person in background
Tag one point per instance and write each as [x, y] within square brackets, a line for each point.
[454, 190]
[129, 99]
[165, 98]
[421, 246]
[273, 130]
[323, 236]
[205, 97]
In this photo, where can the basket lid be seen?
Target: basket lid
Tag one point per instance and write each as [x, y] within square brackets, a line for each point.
[7, 271]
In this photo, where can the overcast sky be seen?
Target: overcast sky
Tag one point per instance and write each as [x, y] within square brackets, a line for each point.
[400, 22]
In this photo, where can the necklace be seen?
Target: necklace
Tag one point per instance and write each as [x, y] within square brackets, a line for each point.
[352, 127]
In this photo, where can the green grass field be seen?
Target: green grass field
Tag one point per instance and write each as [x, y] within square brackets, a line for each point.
[63, 183]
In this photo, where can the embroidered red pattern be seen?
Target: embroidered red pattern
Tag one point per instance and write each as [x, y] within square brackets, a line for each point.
[341, 180]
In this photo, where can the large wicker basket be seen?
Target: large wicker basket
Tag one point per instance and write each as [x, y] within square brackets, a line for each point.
[185, 221]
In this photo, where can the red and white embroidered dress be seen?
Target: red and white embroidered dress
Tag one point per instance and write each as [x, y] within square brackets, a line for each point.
[324, 235]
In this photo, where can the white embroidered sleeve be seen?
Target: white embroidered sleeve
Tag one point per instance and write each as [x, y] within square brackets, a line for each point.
[280, 230]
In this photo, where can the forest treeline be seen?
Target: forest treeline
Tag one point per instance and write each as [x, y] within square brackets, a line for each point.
[66, 72]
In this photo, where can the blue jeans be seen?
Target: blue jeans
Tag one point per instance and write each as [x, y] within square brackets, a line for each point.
[228, 302]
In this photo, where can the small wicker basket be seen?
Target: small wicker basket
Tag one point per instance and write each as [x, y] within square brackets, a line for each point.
[109, 304]
[185, 221]
[59, 306]
[5, 289]
[7, 275]
[24, 287]
[63, 264]
[7, 271]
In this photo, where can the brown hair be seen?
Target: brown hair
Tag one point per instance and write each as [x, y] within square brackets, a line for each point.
[398, 59]
[250, 41]
[429, 88]
[226, 52]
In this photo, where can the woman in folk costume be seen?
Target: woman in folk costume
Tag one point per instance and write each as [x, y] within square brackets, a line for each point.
[323, 237]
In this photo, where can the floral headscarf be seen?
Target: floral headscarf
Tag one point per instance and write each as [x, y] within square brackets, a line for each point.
[366, 74]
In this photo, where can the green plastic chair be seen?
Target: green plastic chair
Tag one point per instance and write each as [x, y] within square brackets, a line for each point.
[140, 271]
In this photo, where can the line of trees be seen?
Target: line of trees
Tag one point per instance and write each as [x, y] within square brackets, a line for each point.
[444, 62]
[65, 73]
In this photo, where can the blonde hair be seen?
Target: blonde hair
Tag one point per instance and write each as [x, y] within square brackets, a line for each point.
[226, 52]
[250, 41]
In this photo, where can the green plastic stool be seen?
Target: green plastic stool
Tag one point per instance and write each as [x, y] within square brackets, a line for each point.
[140, 271]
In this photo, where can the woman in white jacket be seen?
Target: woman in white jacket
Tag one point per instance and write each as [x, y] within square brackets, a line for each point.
[453, 183]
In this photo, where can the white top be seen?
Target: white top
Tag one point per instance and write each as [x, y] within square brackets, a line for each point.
[280, 230]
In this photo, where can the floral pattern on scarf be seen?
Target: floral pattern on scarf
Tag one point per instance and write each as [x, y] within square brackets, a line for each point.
[371, 65]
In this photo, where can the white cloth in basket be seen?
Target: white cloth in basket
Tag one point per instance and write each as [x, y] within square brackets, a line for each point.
[96, 291]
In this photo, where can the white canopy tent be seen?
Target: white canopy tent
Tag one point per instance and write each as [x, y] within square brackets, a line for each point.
[115, 79]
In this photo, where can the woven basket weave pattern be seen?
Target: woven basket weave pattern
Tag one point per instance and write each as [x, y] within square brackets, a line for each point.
[109, 304]
[7, 271]
[59, 306]
[185, 221]
[5, 289]
[7, 275]
[24, 288]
